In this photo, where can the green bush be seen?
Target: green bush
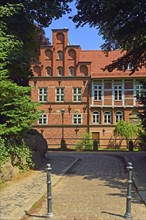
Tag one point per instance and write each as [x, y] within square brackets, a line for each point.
[4, 155]
[85, 143]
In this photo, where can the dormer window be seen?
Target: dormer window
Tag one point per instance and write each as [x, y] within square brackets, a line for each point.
[71, 71]
[60, 71]
[60, 55]
[128, 66]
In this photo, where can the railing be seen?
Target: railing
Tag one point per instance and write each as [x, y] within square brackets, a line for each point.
[106, 143]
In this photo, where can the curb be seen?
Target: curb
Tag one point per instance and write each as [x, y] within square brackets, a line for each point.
[20, 215]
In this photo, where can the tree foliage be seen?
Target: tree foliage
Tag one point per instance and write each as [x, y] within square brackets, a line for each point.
[122, 25]
[126, 130]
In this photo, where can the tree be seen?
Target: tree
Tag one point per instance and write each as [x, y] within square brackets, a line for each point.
[23, 21]
[122, 25]
[126, 130]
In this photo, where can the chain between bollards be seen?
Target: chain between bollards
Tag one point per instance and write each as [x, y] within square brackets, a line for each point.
[49, 192]
[128, 214]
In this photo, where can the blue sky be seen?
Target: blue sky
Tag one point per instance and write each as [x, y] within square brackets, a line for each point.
[86, 37]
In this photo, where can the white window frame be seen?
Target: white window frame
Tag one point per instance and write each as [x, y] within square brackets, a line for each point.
[42, 94]
[59, 94]
[119, 116]
[71, 71]
[118, 92]
[139, 88]
[50, 71]
[107, 117]
[95, 117]
[43, 120]
[97, 92]
[77, 94]
[77, 119]
[60, 71]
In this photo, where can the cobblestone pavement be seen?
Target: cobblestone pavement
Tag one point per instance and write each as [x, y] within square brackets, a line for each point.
[20, 195]
[94, 189]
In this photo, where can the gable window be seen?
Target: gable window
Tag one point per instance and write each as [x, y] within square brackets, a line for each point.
[43, 120]
[71, 71]
[60, 71]
[77, 119]
[118, 92]
[107, 117]
[43, 94]
[60, 55]
[95, 117]
[97, 92]
[77, 94]
[119, 116]
[60, 94]
[48, 71]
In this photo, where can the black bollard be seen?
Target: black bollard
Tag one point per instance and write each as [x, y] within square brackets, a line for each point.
[128, 214]
[95, 145]
[49, 192]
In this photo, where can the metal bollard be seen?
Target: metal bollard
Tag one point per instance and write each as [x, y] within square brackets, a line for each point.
[128, 214]
[49, 192]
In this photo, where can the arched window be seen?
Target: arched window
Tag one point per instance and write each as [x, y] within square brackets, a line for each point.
[37, 70]
[119, 116]
[95, 117]
[60, 38]
[48, 54]
[72, 54]
[71, 71]
[84, 70]
[48, 71]
[60, 55]
[60, 71]
[107, 117]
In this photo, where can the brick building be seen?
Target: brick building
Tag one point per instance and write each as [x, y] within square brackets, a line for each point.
[78, 96]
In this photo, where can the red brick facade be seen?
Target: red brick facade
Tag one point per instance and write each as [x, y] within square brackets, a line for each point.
[68, 78]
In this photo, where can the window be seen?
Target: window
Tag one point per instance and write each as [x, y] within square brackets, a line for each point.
[60, 94]
[71, 71]
[138, 90]
[95, 117]
[43, 94]
[43, 119]
[107, 117]
[60, 71]
[48, 71]
[118, 92]
[97, 92]
[60, 55]
[128, 66]
[77, 94]
[77, 119]
[119, 116]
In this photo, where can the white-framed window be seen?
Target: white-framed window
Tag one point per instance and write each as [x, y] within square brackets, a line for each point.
[128, 66]
[95, 117]
[107, 117]
[59, 94]
[48, 71]
[118, 92]
[60, 55]
[60, 71]
[119, 116]
[77, 94]
[42, 94]
[71, 71]
[139, 90]
[77, 119]
[43, 120]
[97, 92]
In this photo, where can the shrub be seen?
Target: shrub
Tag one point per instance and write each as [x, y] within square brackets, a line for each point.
[85, 143]
[4, 154]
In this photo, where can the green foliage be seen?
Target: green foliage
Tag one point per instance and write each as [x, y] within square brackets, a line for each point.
[85, 143]
[126, 130]
[4, 154]
[17, 112]
[122, 25]
[21, 156]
